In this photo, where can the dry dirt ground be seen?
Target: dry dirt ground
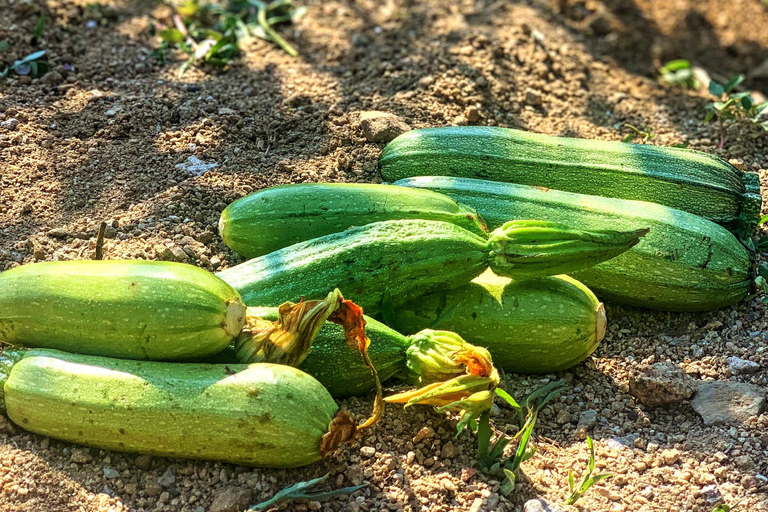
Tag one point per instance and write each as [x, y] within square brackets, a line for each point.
[99, 139]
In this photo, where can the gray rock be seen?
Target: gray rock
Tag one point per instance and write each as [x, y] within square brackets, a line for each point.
[143, 462]
[163, 252]
[711, 493]
[381, 126]
[111, 473]
[740, 366]
[587, 420]
[542, 505]
[10, 124]
[168, 478]
[728, 403]
[231, 499]
[661, 383]
[58, 233]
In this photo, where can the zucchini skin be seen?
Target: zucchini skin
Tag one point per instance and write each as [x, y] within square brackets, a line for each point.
[534, 326]
[688, 180]
[405, 258]
[129, 309]
[232, 413]
[685, 262]
[276, 217]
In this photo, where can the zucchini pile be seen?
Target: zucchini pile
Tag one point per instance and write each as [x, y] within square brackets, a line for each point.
[491, 265]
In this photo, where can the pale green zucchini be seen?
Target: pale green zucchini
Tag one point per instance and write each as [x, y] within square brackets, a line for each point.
[129, 309]
[685, 263]
[688, 180]
[536, 326]
[277, 217]
[262, 414]
[403, 259]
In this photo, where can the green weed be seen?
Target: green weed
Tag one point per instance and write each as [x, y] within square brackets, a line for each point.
[587, 480]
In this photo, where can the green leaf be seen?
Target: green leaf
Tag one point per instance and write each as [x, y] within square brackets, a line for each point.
[571, 482]
[682, 145]
[763, 220]
[4, 46]
[628, 138]
[676, 65]
[710, 115]
[508, 485]
[720, 105]
[733, 82]
[33, 56]
[715, 89]
[297, 492]
[39, 28]
[508, 398]
[483, 434]
[171, 35]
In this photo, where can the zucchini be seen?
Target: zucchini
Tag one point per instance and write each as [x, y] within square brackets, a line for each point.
[536, 326]
[685, 263]
[231, 413]
[129, 309]
[420, 358]
[277, 217]
[688, 180]
[403, 259]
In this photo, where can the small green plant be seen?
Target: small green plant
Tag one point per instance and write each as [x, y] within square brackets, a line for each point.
[210, 34]
[490, 458]
[645, 134]
[722, 507]
[31, 65]
[587, 480]
[300, 490]
[734, 106]
[679, 72]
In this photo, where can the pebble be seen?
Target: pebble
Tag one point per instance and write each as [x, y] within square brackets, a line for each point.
[670, 456]
[111, 473]
[661, 383]
[58, 233]
[80, 457]
[195, 166]
[740, 366]
[231, 499]
[367, 451]
[587, 420]
[563, 417]
[711, 493]
[448, 451]
[381, 126]
[424, 433]
[168, 478]
[143, 462]
[542, 505]
[10, 124]
[179, 254]
[728, 403]
[533, 97]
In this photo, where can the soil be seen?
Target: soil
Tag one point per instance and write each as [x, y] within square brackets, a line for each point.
[100, 138]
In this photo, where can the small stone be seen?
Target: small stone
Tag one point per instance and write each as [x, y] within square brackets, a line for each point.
[168, 478]
[53, 78]
[533, 97]
[195, 166]
[39, 253]
[205, 237]
[368, 451]
[472, 113]
[563, 417]
[314, 505]
[711, 493]
[587, 420]
[460, 120]
[448, 451]
[10, 124]
[153, 488]
[381, 126]
[661, 383]
[80, 457]
[231, 499]
[143, 462]
[542, 505]
[179, 254]
[728, 403]
[424, 433]
[163, 252]
[58, 233]
[670, 456]
[215, 262]
[740, 366]
[129, 489]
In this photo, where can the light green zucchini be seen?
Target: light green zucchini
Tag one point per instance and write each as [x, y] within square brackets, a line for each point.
[688, 180]
[130, 309]
[685, 263]
[535, 326]
[277, 217]
[403, 259]
[262, 414]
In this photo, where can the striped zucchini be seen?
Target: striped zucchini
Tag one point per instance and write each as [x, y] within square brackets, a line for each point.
[408, 258]
[688, 180]
[259, 415]
[536, 326]
[130, 309]
[277, 217]
[685, 263]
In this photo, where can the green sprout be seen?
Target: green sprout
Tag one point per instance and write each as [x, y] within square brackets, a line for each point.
[679, 72]
[300, 490]
[722, 507]
[587, 480]
[490, 458]
[644, 134]
[734, 106]
[30, 65]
